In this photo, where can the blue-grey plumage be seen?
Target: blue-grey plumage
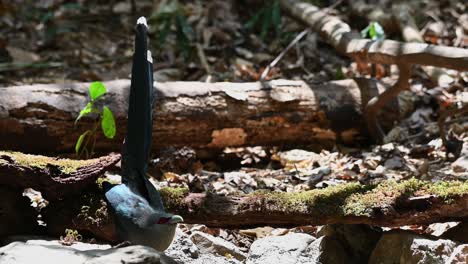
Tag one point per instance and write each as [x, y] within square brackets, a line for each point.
[137, 221]
[137, 204]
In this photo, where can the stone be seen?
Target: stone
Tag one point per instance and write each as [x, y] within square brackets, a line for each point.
[461, 164]
[358, 239]
[207, 243]
[406, 247]
[182, 248]
[44, 251]
[285, 249]
[325, 250]
[212, 259]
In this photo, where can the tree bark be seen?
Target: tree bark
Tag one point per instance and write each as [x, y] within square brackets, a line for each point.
[40, 118]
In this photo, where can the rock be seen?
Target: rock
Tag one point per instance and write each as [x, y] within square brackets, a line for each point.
[182, 248]
[459, 255]
[280, 249]
[405, 247]
[42, 251]
[394, 163]
[359, 240]
[438, 229]
[212, 259]
[461, 164]
[325, 250]
[296, 156]
[130, 255]
[207, 243]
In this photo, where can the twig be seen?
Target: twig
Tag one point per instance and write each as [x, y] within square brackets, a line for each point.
[281, 55]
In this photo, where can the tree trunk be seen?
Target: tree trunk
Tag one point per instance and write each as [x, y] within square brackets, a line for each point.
[40, 118]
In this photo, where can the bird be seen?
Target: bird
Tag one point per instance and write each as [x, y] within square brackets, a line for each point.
[139, 211]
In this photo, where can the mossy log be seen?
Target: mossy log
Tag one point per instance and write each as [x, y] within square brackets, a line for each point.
[388, 204]
[77, 201]
[55, 178]
[40, 118]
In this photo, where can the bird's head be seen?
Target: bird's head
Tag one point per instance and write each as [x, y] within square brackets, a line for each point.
[166, 219]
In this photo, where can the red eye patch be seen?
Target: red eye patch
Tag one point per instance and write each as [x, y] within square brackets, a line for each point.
[163, 220]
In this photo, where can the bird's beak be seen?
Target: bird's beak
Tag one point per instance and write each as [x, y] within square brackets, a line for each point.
[176, 219]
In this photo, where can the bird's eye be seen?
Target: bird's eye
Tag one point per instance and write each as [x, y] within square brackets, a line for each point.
[163, 220]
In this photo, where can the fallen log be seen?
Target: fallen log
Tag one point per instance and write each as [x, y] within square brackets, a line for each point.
[76, 200]
[55, 178]
[40, 118]
[389, 204]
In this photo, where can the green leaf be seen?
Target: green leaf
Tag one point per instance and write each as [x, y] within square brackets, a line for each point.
[374, 30]
[85, 111]
[80, 141]
[377, 31]
[365, 31]
[108, 122]
[96, 89]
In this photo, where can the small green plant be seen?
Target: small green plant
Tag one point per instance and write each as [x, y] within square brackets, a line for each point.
[172, 18]
[105, 117]
[267, 17]
[374, 30]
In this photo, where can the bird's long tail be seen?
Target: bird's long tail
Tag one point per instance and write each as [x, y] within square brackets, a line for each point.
[137, 143]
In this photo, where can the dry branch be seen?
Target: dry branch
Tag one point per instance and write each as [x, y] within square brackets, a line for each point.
[399, 18]
[339, 35]
[40, 118]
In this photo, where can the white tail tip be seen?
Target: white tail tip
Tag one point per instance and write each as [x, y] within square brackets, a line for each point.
[149, 57]
[142, 20]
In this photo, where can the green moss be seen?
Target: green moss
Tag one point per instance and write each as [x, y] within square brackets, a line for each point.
[66, 166]
[173, 197]
[448, 190]
[354, 199]
[326, 201]
[386, 196]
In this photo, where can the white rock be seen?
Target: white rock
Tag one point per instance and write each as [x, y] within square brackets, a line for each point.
[207, 243]
[280, 249]
[51, 252]
[403, 247]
